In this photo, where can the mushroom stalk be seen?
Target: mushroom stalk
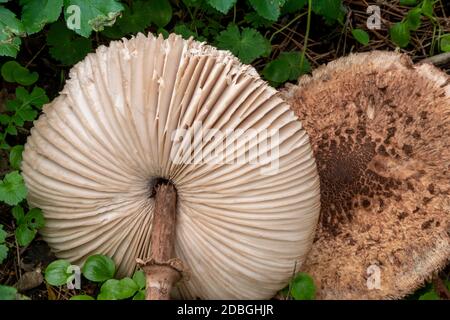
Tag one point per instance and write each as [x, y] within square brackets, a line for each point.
[161, 270]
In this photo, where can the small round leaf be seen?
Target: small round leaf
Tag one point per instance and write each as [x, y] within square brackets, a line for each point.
[56, 273]
[361, 36]
[303, 288]
[99, 268]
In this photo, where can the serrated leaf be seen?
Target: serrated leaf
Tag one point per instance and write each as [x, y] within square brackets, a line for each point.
[361, 36]
[10, 30]
[7, 293]
[117, 289]
[400, 34]
[15, 157]
[65, 45]
[38, 97]
[330, 10]
[25, 234]
[413, 18]
[18, 214]
[268, 9]
[303, 287]
[95, 15]
[37, 13]
[26, 113]
[222, 5]
[445, 42]
[246, 45]
[56, 273]
[99, 268]
[3, 253]
[256, 21]
[292, 6]
[12, 188]
[8, 70]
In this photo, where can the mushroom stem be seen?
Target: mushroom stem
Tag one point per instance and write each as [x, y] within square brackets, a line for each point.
[161, 270]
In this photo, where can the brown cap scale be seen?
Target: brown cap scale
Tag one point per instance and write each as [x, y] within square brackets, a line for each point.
[99, 149]
[380, 129]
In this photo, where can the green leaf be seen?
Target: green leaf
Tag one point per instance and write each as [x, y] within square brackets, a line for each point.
[140, 295]
[99, 268]
[184, 31]
[25, 234]
[330, 10]
[10, 30]
[247, 46]
[8, 70]
[3, 253]
[114, 289]
[139, 278]
[18, 214]
[12, 188]
[15, 157]
[445, 42]
[303, 287]
[24, 77]
[256, 21]
[38, 97]
[3, 238]
[400, 34]
[4, 119]
[82, 297]
[431, 295]
[161, 12]
[27, 113]
[408, 2]
[276, 71]
[8, 293]
[292, 6]
[413, 18]
[95, 15]
[428, 8]
[37, 13]
[65, 45]
[222, 5]
[56, 273]
[361, 36]
[35, 219]
[268, 9]
[134, 19]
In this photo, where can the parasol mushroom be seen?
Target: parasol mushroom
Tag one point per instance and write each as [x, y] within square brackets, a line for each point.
[116, 139]
[380, 130]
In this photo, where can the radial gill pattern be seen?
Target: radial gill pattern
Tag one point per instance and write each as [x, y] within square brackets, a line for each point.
[126, 117]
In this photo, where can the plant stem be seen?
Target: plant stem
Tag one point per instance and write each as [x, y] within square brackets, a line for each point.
[308, 27]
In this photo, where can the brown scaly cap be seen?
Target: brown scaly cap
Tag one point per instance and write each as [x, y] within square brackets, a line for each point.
[380, 130]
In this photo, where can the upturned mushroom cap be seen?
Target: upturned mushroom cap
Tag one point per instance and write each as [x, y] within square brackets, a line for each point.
[95, 154]
[380, 130]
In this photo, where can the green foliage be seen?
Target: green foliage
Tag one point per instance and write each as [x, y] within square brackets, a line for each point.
[268, 9]
[330, 10]
[445, 42]
[12, 188]
[11, 29]
[8, 293]
[15, 157]
[3, 247]
[222, 5]
[99, 268]
[37, 13]
[114, 289]
[285, 67]
[58, 273]
[400, 34]
[65, 45]
[13, 72]
[247, 44]
[361, 36]
[302, 287]
[27, 224]
[82, 297]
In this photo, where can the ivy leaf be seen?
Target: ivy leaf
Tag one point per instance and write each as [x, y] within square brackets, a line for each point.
[361, 36]
[12, 188]
[268, 9]
[10, 30]
[445, 42]
[247, 45]
[330, 10]
[65, 45]
[413, 18]
[95, 15]
[303, 287]
[114, 289]
[15, 157]
[56, 273]
[222, 5]
[400, 34]
[99, 268]
[37, 13]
